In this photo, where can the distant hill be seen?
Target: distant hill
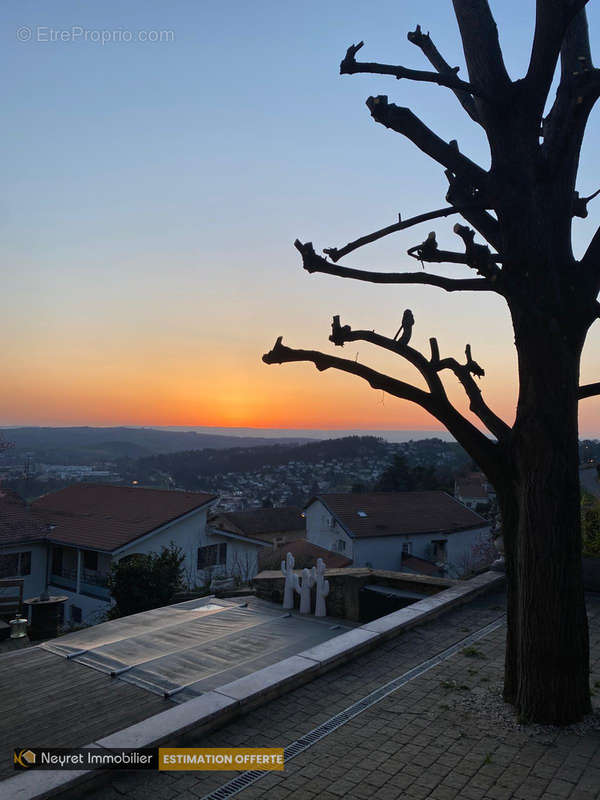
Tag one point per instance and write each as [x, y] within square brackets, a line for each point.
[85, 445]
[188, 468]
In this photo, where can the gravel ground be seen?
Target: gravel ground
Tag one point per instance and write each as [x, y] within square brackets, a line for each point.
[487, 703]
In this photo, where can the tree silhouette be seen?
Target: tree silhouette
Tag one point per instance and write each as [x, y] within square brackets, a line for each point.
[523, 208]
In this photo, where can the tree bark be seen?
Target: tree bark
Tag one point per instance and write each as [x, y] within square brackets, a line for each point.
[547, 658]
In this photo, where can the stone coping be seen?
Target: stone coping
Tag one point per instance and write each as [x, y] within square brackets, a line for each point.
[215, 708]
[360, 572]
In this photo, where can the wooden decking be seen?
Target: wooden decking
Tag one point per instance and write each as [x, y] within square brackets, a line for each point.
[48, 701]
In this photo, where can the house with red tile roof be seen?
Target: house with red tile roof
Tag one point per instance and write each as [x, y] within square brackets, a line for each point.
[381, 529]
[273, 525]
[474, 491]
[67, 540]
[22, 542]
[305, 554]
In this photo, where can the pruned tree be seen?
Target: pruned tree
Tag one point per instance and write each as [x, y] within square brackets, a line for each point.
[522, 208]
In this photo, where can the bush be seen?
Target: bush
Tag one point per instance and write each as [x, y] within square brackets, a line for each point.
[590, 526]
[144, 581]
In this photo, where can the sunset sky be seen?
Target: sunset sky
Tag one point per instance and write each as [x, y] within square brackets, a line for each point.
[152, 192]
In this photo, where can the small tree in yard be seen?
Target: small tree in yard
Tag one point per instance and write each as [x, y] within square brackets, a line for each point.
[523, 208]
[145, 581]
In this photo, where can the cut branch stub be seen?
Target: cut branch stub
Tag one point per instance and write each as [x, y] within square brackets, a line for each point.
[580, 204]
[473, 366]
[405, 328]
[350, 58]
[310, 260]
[338, 332]
[426, 251]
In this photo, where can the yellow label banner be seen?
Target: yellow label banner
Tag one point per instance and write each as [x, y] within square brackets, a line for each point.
[220, 758]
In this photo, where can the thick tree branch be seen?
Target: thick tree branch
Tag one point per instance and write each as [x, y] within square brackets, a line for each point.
[341, 334]
[473, 205]
[464, 373]
[589, 390]
[476, 256]
[552, 23]
[335, 254]
[590, 263]
[315, 263]
[485, 452]
[481, 46]
[429, 368]
[430, 51]
[280, 354]
[350, 66]
[578, 90]
[402, 120]
[580, 204]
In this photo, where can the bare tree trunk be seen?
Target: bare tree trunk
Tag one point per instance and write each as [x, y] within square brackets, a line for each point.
[547, 666]
[510, 522]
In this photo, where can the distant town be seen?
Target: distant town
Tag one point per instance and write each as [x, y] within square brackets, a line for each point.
[285, 472]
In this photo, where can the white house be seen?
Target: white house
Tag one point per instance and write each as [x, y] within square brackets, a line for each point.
[381, 529]
[474, 491]
[67, 540]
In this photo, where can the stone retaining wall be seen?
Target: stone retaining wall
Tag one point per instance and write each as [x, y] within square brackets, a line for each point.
[345, 585]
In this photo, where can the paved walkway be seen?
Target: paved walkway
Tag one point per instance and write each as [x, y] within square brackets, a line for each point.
[429, 739]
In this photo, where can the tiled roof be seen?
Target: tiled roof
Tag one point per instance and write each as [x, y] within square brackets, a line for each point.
[305, 550]
[400, 513]
[108, 517]
[469, 487]
[265, 520]
[420, 566]
[18, 525]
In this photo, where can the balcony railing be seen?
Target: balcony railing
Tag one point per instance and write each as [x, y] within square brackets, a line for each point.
[64, 577]
[94, 584]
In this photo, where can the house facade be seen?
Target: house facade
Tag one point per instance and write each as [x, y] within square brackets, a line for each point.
[22, 543]
[66, 541]
[382, 529]
[474, 491]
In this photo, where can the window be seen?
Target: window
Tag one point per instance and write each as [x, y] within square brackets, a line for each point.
[406, 548]
[9, 565]
[14, 565]
[213, 555]
[90, 560]
[75, 614]
[25, 565]
[340, 545]
[57, 560]
[439, 550]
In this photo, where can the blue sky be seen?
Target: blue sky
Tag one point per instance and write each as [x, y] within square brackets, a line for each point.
[152, 192]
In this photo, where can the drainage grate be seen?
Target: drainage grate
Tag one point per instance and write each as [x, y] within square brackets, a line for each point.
[236, 785]
[312, 737]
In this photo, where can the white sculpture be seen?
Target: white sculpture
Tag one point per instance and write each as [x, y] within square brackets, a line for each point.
[322, 588]
[303, 588]
[287, 567]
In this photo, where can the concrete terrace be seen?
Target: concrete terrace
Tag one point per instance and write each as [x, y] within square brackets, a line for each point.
[57, 701]
[431, 738]
[426, 740]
